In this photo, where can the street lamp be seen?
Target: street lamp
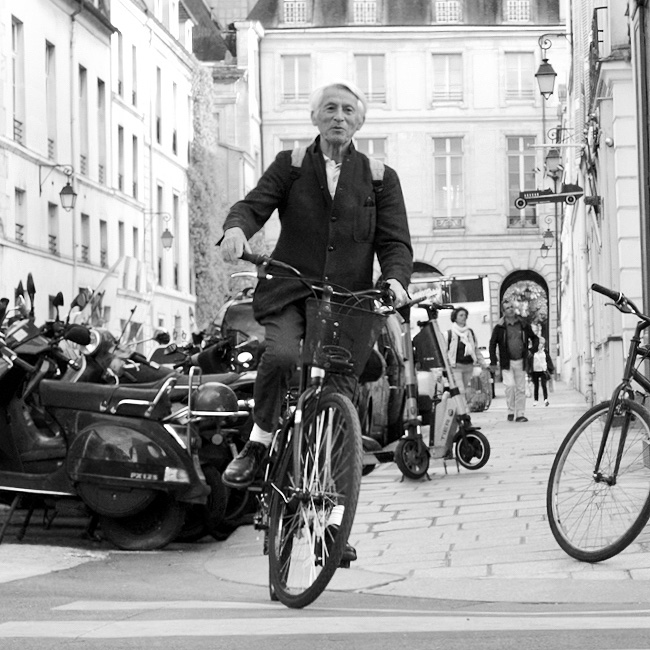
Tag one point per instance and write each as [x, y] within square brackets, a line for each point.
[545, 74]
[167, 237]
[67, 194]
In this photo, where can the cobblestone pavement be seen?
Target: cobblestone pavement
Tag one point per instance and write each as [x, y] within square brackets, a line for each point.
[480, 535]
[474, 535]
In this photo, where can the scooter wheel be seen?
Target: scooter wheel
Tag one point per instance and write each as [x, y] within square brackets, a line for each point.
[412, 458]
[472, 450]
[148, 530]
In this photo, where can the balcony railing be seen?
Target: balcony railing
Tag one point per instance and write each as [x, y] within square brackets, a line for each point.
[85, 253]
[18, 131]
[51, 149]
[20, 233]
[53, 244]
[448, 223]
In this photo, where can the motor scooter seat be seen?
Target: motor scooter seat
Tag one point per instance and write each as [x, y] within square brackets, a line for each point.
[226, 378]
[118, 400]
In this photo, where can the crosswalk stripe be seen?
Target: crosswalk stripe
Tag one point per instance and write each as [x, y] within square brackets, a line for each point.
[310, 626]
[123, 605]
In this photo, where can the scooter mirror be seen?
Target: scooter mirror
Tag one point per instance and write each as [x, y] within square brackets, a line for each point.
[31, 292]
[4, 303]
[19, 292]
[161, 337]
[79, 334]
[21, 306]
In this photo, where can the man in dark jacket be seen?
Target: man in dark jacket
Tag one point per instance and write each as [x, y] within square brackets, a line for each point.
[513, 338]
[334, 221]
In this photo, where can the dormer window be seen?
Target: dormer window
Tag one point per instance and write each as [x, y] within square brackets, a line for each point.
[517, 11]
[364, 12]
[448, 11]
[295, 12]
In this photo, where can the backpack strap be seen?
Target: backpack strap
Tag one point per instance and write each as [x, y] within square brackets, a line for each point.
[297, 156]
[377, 169]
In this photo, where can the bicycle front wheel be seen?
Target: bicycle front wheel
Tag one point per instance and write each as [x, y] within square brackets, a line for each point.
[314, 500]
[595, 513]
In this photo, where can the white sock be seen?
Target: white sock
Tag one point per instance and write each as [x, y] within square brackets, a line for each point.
[259, 435]
[336, 516]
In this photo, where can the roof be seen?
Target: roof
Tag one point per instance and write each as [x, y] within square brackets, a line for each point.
[208, 43]
[338, 13]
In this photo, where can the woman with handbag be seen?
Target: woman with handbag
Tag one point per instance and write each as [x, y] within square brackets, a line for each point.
[462, 347]
[541, 371]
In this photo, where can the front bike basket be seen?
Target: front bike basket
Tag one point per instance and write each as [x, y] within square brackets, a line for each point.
[340, 337]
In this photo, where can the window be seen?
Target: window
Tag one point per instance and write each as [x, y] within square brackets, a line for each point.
[120, 64]
[174, 118]
[296, 142]
[517, 11]
[373, 147]
[295, 12]
[521, 176]
[176, 218]
[85, 238]
[448, 177]
[134, 76]
[134, 165]
[158, 105]
[520, 75]
[83, 120]
[103, 243]
[448, 11]
[101, 131]
[20, 215]
[371, 76]
[53, 228]
[447, 78]
[18, 79]
[364, 11]
[120, 158]
[296, 77]
[50, 99]
[136, 242]
[120, 238]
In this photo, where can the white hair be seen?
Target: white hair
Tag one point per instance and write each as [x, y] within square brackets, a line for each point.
[316, 97]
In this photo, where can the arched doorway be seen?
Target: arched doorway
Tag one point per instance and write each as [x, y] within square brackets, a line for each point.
[530, 293]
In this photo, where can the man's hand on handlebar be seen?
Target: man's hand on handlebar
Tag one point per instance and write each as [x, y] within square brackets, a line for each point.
[233, 244]
[401, 296]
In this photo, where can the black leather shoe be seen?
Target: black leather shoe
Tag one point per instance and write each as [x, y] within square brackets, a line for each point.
[349, 552]
[241, 471]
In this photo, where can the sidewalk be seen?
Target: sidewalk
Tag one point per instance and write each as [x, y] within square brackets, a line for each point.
[480, 536]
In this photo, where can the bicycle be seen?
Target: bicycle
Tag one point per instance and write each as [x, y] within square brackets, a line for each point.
[598, 495]
[309, 491]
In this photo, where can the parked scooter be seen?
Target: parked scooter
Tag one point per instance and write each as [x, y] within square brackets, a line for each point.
[130, 453]
[422, 398]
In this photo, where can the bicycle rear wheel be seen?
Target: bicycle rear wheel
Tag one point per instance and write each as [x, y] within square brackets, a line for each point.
[304, 548]
[596, 516]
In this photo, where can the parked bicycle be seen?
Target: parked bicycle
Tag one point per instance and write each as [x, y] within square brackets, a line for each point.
[310, 487]
[598, 496]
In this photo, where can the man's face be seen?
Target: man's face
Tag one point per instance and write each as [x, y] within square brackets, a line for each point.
[338, 117]
[509, 310]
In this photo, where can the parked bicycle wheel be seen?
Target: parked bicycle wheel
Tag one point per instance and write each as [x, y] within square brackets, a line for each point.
[594, 515]
[319, 471]
[472, 450]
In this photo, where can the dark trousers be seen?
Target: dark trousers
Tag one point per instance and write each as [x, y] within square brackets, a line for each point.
[538, 377]
[280, 362]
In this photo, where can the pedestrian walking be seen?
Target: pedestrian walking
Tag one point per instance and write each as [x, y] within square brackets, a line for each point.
[462, 349]
[542, 367]
[513, 339]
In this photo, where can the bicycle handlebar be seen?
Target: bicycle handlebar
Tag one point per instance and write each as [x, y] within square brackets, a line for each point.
[616, 296]
[263, 261]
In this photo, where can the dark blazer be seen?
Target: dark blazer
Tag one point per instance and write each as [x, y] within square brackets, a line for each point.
[498, 341]
[330, 239]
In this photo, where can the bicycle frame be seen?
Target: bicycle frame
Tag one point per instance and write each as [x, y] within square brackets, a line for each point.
[630, 373]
